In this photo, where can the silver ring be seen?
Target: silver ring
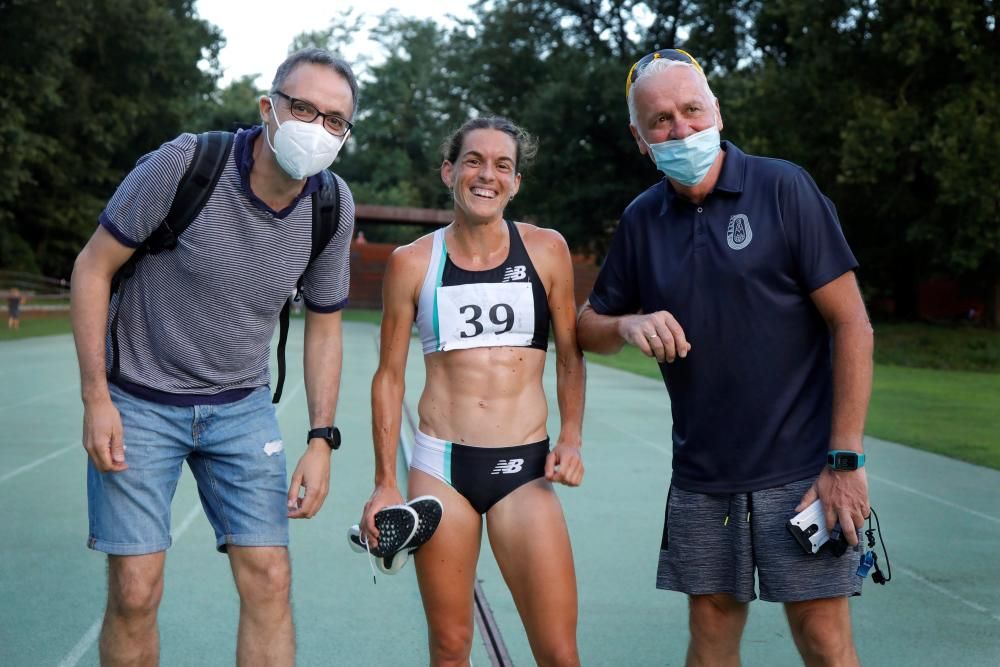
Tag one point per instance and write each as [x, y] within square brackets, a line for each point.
[652, 336]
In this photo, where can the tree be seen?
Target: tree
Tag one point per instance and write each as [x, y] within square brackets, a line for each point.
[891, 108]
[408, 103]
[564, 86]
[338, 34]
[87, 86]
[229, 107]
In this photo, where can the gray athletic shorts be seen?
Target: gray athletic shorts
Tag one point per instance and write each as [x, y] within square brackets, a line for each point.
[701, 553]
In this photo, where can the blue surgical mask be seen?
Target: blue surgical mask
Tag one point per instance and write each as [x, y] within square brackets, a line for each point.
[687, 160]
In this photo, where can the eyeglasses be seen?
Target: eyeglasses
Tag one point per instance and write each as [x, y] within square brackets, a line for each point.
[669, 54]
[307, 113]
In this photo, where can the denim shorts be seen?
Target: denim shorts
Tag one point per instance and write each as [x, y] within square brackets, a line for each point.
[716, 543]
[238, 460]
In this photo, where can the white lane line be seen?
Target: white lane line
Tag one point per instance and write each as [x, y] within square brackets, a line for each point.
[940, 589]
[877, 478]
[49, 457]
[33, 399]
[82, 646]
[928, 496]
[632, 436]
[92, 633]
[35, 464]
[288, 398]
[949, 594]
[188, 520]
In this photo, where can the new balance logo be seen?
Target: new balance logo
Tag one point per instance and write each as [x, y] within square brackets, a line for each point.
[519, 272]
[507, 467]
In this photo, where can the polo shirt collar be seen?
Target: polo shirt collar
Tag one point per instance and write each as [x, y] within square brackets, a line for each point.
[243, 151]
[730, 178]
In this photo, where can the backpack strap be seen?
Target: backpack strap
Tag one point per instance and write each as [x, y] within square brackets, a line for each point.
[325, 221]
[211, 153]
[195, 187]
[326, 214]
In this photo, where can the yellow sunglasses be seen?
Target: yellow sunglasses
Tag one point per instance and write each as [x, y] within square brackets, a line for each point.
[669, 54]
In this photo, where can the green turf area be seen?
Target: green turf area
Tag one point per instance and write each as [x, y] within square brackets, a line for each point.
[56, 324]
[32, 326]
[954, 413]
[362, 315]
[353, 315]
[952, 348]
[629, 359]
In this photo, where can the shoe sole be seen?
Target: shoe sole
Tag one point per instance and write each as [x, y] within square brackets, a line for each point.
[396, 525]
[429, 512]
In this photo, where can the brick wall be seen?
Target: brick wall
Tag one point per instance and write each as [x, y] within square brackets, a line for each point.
[368, 262]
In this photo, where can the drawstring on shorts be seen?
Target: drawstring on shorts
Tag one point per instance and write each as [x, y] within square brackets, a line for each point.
[729, 510]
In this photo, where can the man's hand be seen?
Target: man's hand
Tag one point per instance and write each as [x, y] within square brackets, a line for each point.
[313, 475]
[102, 436]
[657, 335]
[383, 496]
[844, 494]
[564, 464]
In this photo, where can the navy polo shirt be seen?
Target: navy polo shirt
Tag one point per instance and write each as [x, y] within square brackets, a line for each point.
[752, 401]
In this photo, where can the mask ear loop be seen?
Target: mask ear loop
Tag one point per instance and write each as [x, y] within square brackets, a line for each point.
[277, 122]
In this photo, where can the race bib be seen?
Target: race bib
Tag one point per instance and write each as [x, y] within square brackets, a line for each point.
[485, 315]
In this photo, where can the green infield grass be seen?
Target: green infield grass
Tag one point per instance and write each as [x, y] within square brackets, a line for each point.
[35, 326]
[954, 413]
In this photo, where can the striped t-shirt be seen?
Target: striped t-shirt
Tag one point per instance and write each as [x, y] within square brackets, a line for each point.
[196, 322]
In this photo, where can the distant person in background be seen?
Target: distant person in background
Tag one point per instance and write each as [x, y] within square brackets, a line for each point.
[483, 292]
[734, 274]
[189, 379]
[14, 302]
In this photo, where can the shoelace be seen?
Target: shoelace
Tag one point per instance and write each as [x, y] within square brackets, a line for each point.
[371, 562]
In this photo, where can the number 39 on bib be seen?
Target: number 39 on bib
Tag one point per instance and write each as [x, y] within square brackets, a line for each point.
[485, 315]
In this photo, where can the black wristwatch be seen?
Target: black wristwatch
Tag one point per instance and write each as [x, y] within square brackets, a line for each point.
[844, 459]
[329, 433]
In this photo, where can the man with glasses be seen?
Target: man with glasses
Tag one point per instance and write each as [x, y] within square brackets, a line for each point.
[190, 380]
[733, 273]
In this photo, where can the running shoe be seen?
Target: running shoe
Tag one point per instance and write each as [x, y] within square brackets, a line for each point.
[429, 510]
[396, 526]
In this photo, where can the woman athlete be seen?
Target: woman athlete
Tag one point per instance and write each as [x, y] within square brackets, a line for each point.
[483, 292]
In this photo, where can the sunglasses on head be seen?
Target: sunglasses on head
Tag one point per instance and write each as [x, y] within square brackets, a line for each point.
[669, 54]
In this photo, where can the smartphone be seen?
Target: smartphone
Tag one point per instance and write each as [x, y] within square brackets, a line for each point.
[808, 527]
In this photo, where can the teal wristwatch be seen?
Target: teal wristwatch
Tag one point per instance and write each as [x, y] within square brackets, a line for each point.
[844, 459]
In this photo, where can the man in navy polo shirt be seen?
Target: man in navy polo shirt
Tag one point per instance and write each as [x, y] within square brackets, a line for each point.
[733, 273]
[194, 326]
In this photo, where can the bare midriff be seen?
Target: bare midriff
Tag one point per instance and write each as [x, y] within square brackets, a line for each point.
[487, 397]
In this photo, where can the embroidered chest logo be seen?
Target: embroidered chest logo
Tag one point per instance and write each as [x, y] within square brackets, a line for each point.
[508, 467]
[519, 272]
[739, 234]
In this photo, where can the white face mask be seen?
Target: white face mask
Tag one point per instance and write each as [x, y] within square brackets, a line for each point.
[303, 149]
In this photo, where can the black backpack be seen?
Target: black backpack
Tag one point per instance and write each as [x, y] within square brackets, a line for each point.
[195, 187]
